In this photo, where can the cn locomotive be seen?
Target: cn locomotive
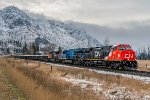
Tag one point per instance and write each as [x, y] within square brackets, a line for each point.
[119, 56]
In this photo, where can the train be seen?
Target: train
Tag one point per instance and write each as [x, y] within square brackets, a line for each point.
[119, 56]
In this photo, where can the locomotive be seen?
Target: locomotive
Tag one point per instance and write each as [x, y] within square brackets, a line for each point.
[119, 56]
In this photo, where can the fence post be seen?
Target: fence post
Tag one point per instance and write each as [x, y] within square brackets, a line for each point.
[51, 68]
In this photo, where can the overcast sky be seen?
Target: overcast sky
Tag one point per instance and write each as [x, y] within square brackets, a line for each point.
[124, 21]
[116, 13]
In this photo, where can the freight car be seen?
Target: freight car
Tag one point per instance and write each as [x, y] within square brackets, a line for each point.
[119, 56]
[33, 57]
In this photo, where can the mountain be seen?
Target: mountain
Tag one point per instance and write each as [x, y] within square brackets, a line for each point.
[16, 25]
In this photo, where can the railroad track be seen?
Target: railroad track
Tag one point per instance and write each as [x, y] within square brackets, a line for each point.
[103, 68]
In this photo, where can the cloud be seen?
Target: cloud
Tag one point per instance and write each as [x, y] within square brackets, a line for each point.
[100, 12]
[137, 37]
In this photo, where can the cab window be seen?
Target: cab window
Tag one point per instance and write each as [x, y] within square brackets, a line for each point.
[122, 47]
[128, 47]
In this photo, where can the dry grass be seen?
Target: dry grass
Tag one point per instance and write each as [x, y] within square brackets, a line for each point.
[42, 81]
[144, 65]
[40, 85]
[8, 91]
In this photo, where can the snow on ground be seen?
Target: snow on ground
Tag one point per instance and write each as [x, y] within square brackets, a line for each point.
[113, 92]
[83, 83]
[144, 79]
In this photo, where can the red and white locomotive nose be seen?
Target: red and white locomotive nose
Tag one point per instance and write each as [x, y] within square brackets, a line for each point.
[128, 55]
[124, 55]
[122, 52]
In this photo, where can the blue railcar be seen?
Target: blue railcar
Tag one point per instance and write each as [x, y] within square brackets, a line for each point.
[70, 54]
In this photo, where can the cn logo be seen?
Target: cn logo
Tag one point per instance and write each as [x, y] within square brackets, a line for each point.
[128, 56]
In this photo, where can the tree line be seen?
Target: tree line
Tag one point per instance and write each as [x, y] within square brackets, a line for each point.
[143, 53]
[34, 48]
[12, 47]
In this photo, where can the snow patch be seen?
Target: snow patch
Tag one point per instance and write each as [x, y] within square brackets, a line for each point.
[94, 86]
[144, 79]
[113, 92]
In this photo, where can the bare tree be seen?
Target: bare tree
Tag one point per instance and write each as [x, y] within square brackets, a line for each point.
[49, 47]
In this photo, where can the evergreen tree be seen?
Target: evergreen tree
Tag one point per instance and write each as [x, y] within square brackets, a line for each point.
[35, 48]
[25, 49]
[8, 51]
[60, 50]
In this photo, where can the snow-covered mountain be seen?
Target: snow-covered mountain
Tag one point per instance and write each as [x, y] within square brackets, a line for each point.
[17, 25]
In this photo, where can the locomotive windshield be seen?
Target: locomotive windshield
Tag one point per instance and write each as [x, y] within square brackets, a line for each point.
[124, 47]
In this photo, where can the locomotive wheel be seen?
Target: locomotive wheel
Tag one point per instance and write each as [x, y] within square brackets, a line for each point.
[82, 63]
[123, 67]
[112, 64]
[118, 65]
[90, 64]
[107, 64]
[86, 63]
